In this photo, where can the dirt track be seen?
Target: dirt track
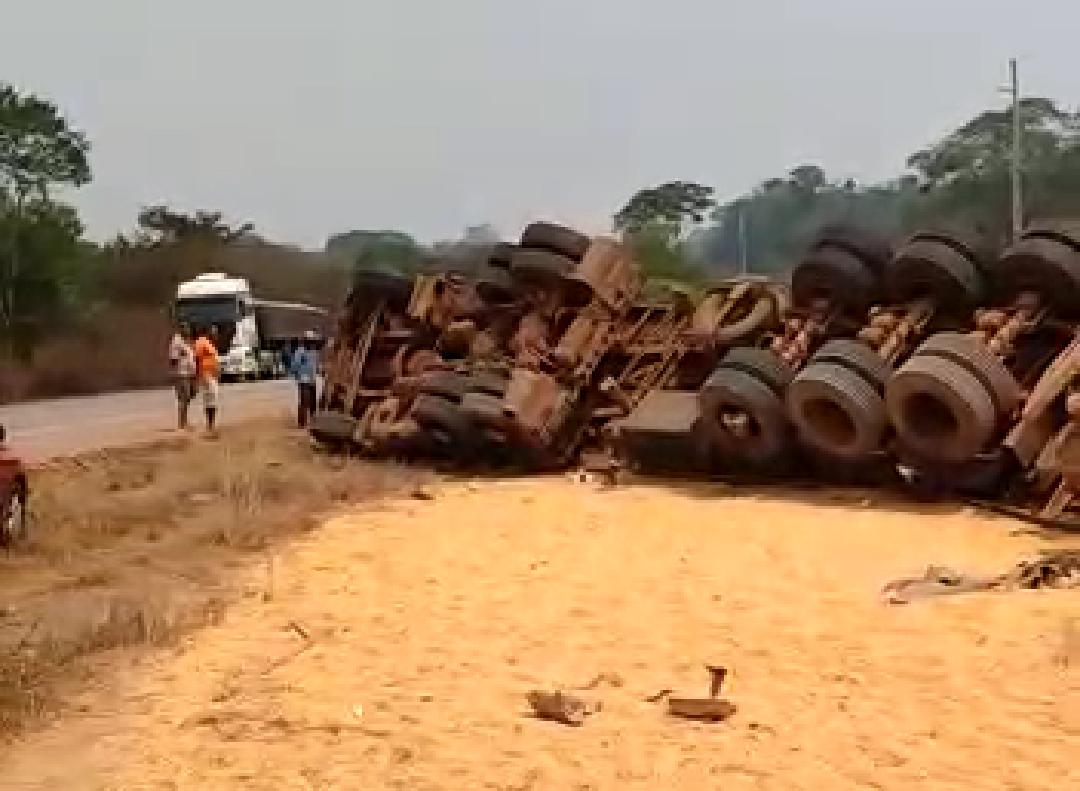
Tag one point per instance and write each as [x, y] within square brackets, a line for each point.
[428, 621]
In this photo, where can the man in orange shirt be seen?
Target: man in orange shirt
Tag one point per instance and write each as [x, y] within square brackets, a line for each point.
[208, 371]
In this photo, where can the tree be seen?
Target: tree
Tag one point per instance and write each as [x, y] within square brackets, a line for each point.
[39, 149]
[983, 146]
[52, 275]
[675, 202]
[775, 223]
[482, 235]
[394, 251]
[965, 176]
[808, 179]
[160, 225]
[661, 253]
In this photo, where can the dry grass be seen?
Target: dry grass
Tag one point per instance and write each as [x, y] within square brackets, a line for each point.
[118, 350]
[135, 546]
[123, 345]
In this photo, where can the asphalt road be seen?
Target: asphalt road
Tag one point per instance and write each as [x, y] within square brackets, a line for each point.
[41, 430]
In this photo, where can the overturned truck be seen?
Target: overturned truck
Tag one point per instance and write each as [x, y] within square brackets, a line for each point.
[528, 362]
[939, 362]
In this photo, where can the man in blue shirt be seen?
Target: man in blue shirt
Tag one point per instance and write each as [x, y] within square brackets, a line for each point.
[304, 368]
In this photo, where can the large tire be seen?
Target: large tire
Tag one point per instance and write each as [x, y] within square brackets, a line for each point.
[448, 384]
[1044, 264]
[490, 383]
[857, 356]
[940, 410]
[742, 330]
[935, 267]
[834, 275]
[767, 438]
[449, 430]
[485, 410]
[333, 429]
[1065, 231]
[763, 364]
[974, 357]
[14, 519]
[837, 411]
[556, 239]
[495, 286]
[541, 266]
[501, 255]
[869, 247]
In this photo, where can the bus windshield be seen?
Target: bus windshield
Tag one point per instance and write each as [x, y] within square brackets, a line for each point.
[203, 311]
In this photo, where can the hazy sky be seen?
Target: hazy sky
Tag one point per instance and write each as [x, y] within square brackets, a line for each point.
[427, 115]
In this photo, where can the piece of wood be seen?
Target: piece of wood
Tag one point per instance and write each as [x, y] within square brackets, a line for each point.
[707, 709]
[561, 707]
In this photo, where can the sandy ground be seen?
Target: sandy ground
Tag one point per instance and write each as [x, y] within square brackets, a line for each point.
[428, 621]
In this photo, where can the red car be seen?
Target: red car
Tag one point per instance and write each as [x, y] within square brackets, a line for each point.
[13, 494]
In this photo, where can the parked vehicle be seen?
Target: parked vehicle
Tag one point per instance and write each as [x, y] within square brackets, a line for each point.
[14, 494]
[252, 332]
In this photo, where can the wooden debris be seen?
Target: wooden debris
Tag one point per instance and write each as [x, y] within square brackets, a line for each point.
[659, 696]
[710, 709]
[1058, 569]
[707, 709]
[561, 707]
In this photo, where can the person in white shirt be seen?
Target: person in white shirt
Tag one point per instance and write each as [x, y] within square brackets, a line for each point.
[182, 368]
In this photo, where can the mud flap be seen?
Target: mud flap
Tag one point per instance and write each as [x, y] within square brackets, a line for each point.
[663, 434]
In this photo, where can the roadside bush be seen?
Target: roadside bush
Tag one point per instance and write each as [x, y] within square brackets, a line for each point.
[117, 349]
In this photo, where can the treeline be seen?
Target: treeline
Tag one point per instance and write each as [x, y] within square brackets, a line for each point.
[81, 317]
[961, 181]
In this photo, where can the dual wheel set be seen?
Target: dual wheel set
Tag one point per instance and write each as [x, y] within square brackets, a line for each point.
[462, 414]
[897, 356]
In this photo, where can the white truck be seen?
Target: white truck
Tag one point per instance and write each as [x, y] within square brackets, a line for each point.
[253, 334]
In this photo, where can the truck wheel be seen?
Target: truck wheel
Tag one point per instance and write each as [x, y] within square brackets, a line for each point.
[14, 522]
[556, 239]
[501, 255]
[1045, 264]
[869, 247]
[448, 384]
[763, 364]
[974, 357]
[934, 266]
[541, 266]
[333, 429]
[837, 411]
[745, 419]
[495, 286]
[857, 356]
[940, 410]
[488, 382]
[834, 275]
[449, 430]
[763, 313]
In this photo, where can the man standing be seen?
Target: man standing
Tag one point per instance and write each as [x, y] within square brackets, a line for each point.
[304, 369]
[182, 368]
[208, 372]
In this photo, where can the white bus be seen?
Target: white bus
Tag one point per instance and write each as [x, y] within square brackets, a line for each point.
[252, 334]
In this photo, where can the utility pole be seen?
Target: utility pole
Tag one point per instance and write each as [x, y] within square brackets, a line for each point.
[1017, 132]
[743, 245]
